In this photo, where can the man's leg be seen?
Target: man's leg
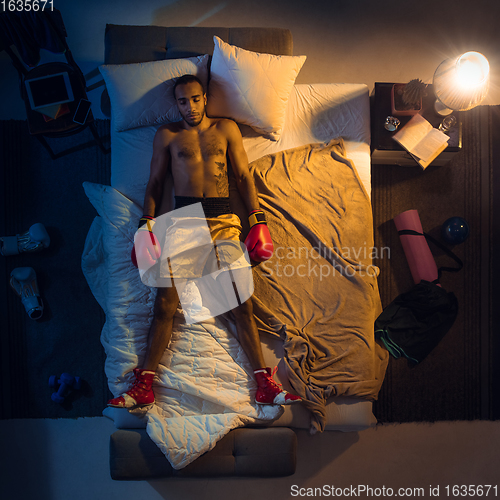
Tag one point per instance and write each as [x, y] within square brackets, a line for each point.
[141, 393]
[160, 332]
[268, 391]
[248, 334]
[238, 284]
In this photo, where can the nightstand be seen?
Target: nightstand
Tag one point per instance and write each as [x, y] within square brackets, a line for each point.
[385, 150]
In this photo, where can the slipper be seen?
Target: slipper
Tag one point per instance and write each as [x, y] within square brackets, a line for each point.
[24, 283]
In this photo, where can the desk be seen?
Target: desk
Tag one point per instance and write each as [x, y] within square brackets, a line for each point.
[385, 150]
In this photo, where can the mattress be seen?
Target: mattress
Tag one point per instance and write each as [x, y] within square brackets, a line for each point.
[316, 113]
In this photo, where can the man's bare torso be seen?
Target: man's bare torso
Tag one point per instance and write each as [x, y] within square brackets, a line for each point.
[198, 159]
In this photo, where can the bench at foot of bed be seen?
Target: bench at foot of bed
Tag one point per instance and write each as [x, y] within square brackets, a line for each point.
[262, 452]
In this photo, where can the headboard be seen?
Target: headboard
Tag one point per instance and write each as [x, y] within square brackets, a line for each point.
[133, 44]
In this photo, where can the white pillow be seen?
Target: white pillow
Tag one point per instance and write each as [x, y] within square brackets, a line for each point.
[141, 94]
[251, 88]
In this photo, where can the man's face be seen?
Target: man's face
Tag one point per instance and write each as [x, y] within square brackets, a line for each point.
[191, 102]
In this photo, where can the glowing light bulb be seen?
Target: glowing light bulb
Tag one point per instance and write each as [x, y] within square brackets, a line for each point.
[472, 69]
[461, 83]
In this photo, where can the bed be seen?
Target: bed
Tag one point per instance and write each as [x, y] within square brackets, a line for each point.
[315, 301]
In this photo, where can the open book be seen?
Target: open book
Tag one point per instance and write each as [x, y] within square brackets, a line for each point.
[421, 140]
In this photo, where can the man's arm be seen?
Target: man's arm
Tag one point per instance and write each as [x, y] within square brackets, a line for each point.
[146, 250]
[160, 164]
[258, 241]
[239, 163]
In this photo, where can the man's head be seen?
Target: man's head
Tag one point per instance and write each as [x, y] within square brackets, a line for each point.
[191, 99]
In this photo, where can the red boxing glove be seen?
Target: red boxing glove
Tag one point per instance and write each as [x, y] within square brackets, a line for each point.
[258, 241]
[146, 250]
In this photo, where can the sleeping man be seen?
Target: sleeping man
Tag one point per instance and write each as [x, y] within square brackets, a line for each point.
[195, 152]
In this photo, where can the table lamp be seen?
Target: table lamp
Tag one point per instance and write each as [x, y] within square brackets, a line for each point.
[461, 83]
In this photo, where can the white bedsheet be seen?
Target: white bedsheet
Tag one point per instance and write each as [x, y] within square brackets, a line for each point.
[319, 113]
[315, 113]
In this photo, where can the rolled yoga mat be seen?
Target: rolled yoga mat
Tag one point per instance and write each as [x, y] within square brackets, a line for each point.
[417, 251]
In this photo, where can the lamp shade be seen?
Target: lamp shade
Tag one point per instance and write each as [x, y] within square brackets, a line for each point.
[462, 83]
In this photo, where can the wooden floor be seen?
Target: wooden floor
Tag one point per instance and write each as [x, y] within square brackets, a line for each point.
[455, 381]
[34, 188]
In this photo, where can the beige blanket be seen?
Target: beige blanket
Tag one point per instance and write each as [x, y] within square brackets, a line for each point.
[320, 287]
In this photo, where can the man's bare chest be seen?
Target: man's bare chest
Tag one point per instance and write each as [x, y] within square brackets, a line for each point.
[198, 149]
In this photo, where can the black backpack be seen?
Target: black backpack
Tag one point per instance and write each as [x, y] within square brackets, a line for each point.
[416, 321]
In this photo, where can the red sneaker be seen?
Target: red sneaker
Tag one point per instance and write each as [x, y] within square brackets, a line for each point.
[269, 392]
[141, 393]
